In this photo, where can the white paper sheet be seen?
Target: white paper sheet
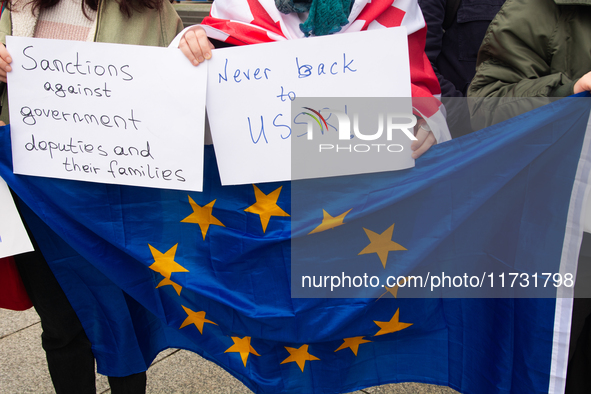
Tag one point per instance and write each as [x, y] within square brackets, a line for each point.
[109, 113]
[13, 236]
[250, 89]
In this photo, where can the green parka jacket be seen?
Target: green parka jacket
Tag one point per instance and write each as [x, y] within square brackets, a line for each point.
[533, 48]
[146, 27]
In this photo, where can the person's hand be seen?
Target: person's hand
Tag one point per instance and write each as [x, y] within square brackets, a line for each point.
[2, 123]
[5, 61]
[425, 139]
[196, 46]
[583, 84]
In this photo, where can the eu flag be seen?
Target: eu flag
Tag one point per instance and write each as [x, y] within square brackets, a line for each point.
[211, 272]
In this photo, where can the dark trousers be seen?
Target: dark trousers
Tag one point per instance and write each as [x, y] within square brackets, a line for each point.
[578, 377]
[67, 348]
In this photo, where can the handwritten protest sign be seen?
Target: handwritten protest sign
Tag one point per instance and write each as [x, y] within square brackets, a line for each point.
[250, 90]
[13, 236]
[109, 113]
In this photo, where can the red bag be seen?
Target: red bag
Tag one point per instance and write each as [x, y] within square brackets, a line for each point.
[12, 291]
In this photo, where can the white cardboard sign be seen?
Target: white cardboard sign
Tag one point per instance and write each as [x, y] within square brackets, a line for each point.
[13, 236]
[109, 113]
[250, 90]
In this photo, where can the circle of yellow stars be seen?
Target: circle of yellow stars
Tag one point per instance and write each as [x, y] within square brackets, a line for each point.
[266, 207]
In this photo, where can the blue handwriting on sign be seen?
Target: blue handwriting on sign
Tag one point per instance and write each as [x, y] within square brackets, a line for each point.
[306, 70]
[242, 75]
[276, 124]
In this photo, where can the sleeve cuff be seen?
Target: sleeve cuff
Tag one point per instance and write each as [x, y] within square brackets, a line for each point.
[564, 90]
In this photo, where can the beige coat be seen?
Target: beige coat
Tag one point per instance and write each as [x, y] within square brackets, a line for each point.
[148, 27]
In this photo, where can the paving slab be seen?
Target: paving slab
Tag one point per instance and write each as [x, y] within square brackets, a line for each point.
[13, 321]
[410, 388]
[23, 368]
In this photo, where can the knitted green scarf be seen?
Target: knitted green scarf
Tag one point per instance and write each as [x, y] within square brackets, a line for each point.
[325, 16]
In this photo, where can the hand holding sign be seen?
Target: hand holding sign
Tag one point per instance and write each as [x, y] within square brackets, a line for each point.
[425, 139]
[197, 48]
[251, 88]
[195, 45]
[5, 61]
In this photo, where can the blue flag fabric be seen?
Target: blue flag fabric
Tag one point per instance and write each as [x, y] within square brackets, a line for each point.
[149, 269]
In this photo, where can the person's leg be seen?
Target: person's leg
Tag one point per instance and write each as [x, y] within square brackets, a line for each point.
[132, 384]
[579, 365]
[67, 348]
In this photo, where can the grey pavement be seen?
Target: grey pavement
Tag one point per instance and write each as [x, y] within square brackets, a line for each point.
[23, 368]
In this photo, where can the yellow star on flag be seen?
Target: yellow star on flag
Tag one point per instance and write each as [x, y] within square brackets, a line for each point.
[197, 318]
[299, 356]
[242, 346]
[165, 265]
[329, 222]
[202, 216]
[388, 327]
[266, 206]
[393, 290]
[175, 286]
[381, 244]
[353, 344]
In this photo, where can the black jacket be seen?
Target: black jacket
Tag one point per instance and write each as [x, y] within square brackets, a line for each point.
[453, 52]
